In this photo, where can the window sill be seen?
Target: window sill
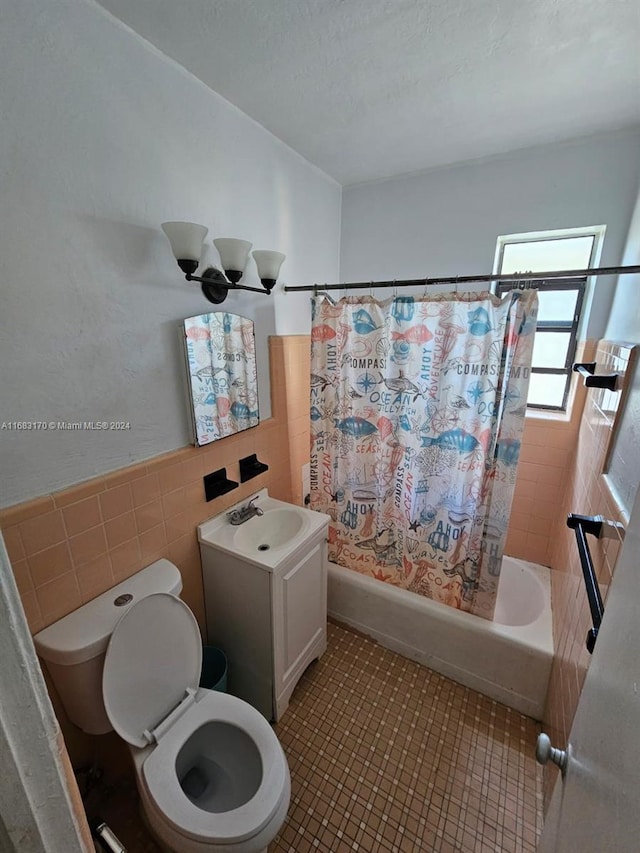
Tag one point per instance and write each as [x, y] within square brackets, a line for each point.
[547, 417]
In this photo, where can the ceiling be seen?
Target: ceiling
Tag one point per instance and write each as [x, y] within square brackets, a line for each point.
[367, 89]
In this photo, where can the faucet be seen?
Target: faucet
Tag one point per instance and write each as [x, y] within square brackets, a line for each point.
[244, 513]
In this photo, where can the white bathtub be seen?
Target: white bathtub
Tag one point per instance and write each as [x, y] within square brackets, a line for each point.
[508, 659]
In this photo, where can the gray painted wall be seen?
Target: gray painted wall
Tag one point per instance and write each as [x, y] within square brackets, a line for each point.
[446, 221]
[624, 325]
[624, 320]
[103, 138]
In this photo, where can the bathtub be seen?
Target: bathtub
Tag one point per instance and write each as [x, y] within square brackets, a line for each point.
[508, 659]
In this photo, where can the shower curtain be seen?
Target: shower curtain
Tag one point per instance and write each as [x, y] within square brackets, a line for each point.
[417, 412]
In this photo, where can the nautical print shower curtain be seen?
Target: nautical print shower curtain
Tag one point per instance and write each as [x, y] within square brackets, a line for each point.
[417, 412]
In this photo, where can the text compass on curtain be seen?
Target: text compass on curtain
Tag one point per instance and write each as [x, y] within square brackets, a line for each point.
[187, 240]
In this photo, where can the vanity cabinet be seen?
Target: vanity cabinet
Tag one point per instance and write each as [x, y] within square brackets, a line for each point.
[270, 620]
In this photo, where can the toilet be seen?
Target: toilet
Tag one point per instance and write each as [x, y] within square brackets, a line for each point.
[210, 771]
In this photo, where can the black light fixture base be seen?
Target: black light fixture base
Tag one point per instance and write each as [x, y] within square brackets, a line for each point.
[216, 287]
[268, 284]
[187, 265]
[234, 276]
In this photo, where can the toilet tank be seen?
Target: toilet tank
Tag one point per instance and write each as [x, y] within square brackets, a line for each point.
[74, 647]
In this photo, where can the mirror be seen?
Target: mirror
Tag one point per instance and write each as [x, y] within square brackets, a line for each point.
[220, 354]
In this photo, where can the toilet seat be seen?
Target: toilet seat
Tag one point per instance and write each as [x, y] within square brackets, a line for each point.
[150, 690]
[153, 660]
[163, 785]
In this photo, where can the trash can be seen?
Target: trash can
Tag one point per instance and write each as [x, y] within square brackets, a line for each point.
[214, 669]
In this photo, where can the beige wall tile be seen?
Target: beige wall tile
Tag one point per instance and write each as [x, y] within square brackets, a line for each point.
[30, 509]
[22, 575]
[152, 543]
[126, 559]
[42, 532]
[13, 543]
[50, 563]
[148, 515]
[120, 529]
[32, 611]
[116, 501]
[80, 516]
[171, 478]
[95, 577]
[79, 492]
[145, 489]
[88, 546]
[178, 525]
[58, 597]
[173, 502]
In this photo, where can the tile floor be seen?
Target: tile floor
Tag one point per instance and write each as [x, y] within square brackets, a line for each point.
[386, 755]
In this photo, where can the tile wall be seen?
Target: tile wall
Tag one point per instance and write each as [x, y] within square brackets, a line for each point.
[290, 369]
[548, 445]
[585, 491]
[68, 547]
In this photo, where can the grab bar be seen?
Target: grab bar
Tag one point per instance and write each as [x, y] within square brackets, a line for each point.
[593, 524]
[587, 369]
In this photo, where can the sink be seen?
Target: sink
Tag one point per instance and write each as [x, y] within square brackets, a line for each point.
[266, 540]
[272, 530]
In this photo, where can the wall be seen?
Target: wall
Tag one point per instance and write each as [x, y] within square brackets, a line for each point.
[103, 139]
[69, 546]
[546, 459]
[586, 492]
[624, 320]
[446, 221]
[624, 325]
[291, 365]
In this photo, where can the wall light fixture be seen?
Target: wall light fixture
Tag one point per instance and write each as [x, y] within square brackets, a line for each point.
[187, 239]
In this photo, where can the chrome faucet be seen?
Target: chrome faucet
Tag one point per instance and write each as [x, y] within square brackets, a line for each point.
[244, 513]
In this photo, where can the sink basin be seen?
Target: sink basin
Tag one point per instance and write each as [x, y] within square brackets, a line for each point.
[274, 529]
[266, 540]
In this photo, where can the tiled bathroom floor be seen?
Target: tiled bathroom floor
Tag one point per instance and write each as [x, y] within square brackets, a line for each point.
[386, 755]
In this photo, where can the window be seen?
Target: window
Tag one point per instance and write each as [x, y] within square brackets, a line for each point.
[560, 302]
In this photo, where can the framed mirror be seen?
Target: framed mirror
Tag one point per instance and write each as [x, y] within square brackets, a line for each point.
[220, 354]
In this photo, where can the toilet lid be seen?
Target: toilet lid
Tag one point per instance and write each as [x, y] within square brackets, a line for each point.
[154, 654]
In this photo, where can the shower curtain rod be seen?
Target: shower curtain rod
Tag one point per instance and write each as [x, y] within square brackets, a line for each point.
[465, 279]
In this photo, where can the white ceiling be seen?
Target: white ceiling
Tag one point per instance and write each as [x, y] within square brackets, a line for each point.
[367, 89]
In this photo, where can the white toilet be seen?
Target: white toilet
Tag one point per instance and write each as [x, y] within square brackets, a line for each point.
[210, 771]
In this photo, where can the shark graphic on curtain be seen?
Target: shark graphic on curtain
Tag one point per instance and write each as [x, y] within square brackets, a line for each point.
[417, 413]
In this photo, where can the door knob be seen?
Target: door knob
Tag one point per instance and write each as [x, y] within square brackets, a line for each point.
[545, 752]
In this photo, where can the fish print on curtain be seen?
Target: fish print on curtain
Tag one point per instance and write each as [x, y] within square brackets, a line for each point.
[417, 412]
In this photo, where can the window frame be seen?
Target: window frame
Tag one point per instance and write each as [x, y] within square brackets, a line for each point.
[578, 284]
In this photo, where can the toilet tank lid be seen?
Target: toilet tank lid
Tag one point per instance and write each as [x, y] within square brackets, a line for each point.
[85, 633]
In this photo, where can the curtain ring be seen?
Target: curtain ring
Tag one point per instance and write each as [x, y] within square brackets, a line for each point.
[426, 285]
[371, 289]
[315, 291]
[395, 289]
[456, 285]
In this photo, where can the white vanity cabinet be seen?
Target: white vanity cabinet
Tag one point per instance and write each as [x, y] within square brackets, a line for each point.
[266, 609]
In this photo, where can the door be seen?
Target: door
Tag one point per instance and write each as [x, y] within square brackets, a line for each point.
[597, 805]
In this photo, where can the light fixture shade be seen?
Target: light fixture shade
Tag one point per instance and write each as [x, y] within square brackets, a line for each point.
[268, 264]
[186, 239]
[233, 253]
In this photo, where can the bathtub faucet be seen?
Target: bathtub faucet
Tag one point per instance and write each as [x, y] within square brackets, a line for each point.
[239, 516]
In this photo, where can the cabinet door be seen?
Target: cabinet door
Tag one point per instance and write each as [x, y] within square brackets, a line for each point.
[300, 614]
